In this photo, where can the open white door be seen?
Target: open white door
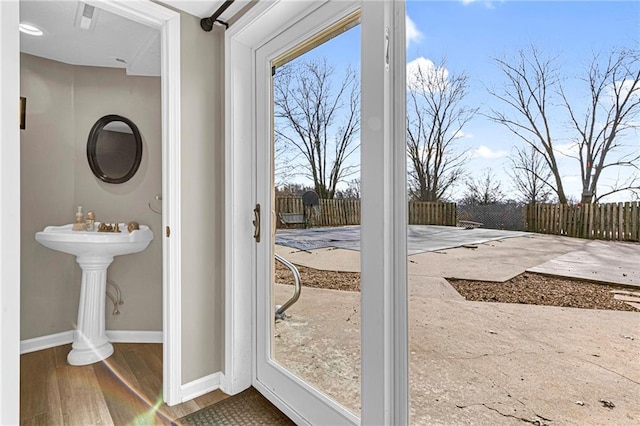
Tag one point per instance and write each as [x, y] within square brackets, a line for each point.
[254, 43]
[279, 374]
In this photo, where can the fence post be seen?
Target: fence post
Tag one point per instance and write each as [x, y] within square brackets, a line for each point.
[635, 234]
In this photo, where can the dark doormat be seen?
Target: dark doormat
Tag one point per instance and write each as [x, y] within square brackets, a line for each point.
[248, 407]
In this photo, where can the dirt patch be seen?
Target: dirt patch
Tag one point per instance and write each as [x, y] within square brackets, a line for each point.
[333, 280]
[535, 289]
[527, 288]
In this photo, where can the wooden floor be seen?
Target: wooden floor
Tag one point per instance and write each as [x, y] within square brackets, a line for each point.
[124, 389]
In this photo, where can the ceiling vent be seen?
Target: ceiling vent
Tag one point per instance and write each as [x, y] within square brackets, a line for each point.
[85, 17]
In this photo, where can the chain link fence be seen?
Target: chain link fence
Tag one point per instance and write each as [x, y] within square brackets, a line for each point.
[507, 216]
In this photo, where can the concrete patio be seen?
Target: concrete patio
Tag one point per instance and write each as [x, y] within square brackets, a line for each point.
[475, 362]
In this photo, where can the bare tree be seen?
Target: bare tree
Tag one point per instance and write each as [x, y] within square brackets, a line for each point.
[531, 83]
[435, 118]
[613, 110]
[483, 190]
[530, 175]
[292, 190]
[317, 120]
[532, 87]
[352, 191]
[285, 161]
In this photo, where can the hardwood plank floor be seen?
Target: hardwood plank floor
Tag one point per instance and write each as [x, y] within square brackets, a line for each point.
[124, 389]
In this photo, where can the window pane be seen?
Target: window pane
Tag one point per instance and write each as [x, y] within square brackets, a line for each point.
[316, 114]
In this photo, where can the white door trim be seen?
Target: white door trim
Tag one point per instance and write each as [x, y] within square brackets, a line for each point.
[241, 41]
[384, 216]
[168, 22]
[9, 213]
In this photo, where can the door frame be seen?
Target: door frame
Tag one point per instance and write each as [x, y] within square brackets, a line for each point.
[383, 242]
[168, 22]
[9, 213]
[384, 249]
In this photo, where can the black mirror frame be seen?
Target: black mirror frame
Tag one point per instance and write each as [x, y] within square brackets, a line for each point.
[91, 149]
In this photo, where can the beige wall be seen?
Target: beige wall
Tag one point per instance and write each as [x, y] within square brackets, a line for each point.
[202, 199]
[63, 102]
[139, 275]
[49, 285]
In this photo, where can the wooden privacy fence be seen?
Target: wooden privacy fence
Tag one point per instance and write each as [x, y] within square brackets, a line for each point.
[336, 213]
[432, 213]
[613, 221]
[341, 212]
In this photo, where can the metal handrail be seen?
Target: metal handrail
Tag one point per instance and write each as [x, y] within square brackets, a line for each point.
[280, 309]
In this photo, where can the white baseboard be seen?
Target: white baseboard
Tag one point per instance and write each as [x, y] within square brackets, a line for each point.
[200, 386]
[126, 336]
[66, 337]
[46, 342]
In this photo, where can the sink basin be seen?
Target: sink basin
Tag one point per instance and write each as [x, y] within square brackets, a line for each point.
[95, 244]
[94, 253]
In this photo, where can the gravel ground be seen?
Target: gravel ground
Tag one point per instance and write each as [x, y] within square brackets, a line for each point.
[527, 288]
[536, 289]
[334, 280]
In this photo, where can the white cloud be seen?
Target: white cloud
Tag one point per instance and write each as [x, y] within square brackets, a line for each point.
[570, 149]
[486, 152]
[624, 88]
[460, 134]
[463, 135]
[628, 86]
[414, 35]
[428, 70]
[570, 178]
[489, 4]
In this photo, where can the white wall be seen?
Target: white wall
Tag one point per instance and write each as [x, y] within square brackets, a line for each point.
[63, 102]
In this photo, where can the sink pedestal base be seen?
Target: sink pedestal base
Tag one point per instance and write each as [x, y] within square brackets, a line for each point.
[90, 342]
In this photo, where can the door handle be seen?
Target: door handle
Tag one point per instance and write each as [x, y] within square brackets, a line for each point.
[387, 46]
[256, 223]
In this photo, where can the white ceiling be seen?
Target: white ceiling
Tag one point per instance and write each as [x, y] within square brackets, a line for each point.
[112, 41]
[206, 8]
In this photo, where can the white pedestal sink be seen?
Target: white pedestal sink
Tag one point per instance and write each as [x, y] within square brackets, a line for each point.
[94, 253]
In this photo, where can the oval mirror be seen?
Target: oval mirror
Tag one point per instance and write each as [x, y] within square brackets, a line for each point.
[114, 149]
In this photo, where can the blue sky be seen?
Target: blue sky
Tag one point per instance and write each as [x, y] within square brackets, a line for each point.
[469, 33]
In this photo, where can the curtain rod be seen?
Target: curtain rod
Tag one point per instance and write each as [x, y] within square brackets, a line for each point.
[207, 23]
